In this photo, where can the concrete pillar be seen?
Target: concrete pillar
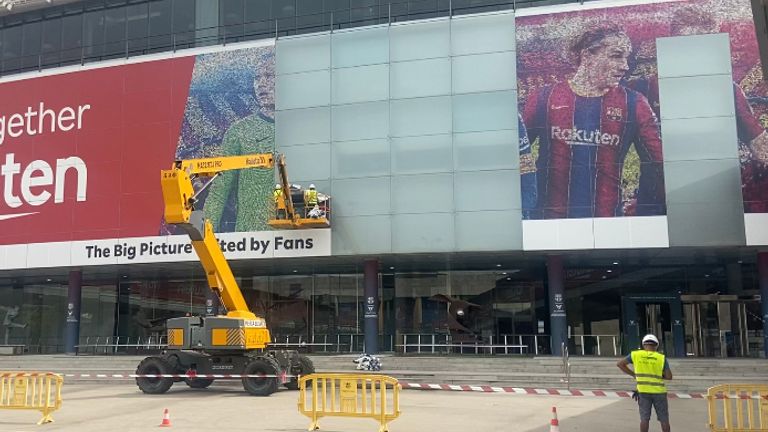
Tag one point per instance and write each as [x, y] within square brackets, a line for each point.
[558, 323]
[371, 305]
[72, 332]
[762, 272]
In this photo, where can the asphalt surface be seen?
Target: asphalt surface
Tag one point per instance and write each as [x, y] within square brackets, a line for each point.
[225, 407]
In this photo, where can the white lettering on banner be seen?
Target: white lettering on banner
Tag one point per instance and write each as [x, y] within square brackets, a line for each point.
[30, 180]
[177, 248]
[33, 186]
[65, 119]
[576, 136]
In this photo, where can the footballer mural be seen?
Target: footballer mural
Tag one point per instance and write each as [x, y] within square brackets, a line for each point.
[589, 99]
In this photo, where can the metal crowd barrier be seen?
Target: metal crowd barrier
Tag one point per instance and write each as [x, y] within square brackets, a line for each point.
[38, 391]
[112, 344]
[742, 408]
[349, 395]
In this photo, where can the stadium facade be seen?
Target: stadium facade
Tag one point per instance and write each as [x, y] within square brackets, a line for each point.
[510, 179]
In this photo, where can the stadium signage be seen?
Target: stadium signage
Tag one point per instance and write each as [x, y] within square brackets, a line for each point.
[36, 182]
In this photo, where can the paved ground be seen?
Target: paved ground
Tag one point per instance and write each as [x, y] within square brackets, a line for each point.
[122, 407]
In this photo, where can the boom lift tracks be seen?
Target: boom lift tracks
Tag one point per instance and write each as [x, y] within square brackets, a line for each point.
[235, 343]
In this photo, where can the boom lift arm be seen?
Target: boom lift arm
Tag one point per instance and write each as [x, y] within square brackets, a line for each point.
[180, 199]
[238, 341]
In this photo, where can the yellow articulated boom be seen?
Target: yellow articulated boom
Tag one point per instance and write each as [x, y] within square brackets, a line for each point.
[234, 344]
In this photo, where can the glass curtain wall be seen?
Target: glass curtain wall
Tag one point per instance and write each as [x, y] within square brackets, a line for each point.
[88, 31]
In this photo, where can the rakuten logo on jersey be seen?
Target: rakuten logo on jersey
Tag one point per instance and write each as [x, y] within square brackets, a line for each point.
[575, 136]
[36, 182]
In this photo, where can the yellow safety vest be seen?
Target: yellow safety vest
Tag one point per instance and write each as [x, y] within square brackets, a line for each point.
[310, 197]
[278, 194]
[649, 371]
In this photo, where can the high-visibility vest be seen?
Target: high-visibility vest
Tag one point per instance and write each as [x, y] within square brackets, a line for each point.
[649, 371]
[279, 202]
[310, 197]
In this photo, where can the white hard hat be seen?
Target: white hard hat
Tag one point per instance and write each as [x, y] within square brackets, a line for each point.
[312, 186]
[650, 338]
[277, 186]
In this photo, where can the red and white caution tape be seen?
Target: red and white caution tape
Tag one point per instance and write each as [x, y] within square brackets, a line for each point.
[181, 376]
[406, 385]
[539, 391]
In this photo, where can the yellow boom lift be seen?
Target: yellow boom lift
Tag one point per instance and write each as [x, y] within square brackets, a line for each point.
[236, 343]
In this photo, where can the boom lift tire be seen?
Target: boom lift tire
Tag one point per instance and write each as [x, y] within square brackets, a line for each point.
[260, 386]
[154, 366]
[303, 367]
[198, 383]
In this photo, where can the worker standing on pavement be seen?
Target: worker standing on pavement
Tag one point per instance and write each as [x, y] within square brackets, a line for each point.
[279, 202]
[651, 368]
[310, 198]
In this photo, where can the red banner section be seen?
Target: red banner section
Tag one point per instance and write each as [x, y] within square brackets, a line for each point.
[80, 153]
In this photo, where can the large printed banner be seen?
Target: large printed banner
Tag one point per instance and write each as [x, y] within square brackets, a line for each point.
[81, 152]
[162, 249]
[591, 145]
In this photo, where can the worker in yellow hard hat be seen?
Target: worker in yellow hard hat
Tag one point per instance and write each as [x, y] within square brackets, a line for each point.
[279, 201]
[310, 198]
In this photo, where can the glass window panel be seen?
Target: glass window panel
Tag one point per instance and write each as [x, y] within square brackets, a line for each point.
[422, 116]
[706, 224]
[93, 34]
[414, 41]
[232, 12]
[304, 90]
[429, 193]
[114, 31]
[487, 190]
[360, 158]
[31, 43]
[367, 12]
[700, 138]
[335, 5]
[32, 38]
[424, 154]
[160, 25]
[485, 111]
[303, 53]
[51, 46]
[71, 37]
[258, 10]
[428, 232]
[360, 47]
[315, 126]
[489, 230]
[11, 48]
[335, 304]
[683, 98]
[137, 27]
[184, 23]
[421, 78]
[51, 35]
[352, 197]
[360, 121]
[484, 72]
[486, 150]
[310, 16]
[284, 8]
[312, 161]
[360, 84]
[694, 55]
[710, 181]
[483, 34]
[361, 234]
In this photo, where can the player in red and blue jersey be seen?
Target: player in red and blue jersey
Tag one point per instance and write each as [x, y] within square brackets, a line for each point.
[585, 128]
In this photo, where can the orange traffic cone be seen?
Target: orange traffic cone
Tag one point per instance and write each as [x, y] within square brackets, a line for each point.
[554, 425]
[166, 419]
